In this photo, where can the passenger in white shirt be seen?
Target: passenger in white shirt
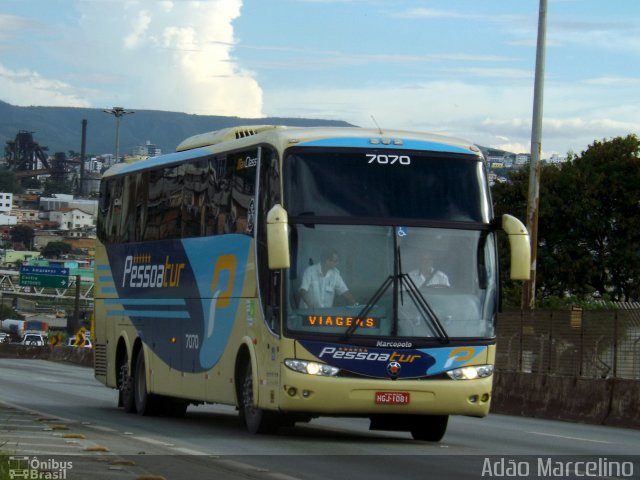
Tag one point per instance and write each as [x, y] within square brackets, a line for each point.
[321, 281]
[426, 275]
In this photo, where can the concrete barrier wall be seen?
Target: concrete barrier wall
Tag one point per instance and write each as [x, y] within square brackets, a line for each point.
[76, 355]
[598, 401]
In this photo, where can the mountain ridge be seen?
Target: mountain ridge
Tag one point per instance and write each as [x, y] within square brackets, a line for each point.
[59, 129]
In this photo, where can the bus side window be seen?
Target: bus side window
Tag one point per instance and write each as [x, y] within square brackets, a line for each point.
[219, 182]
[269, 281]
[193, 199]
[210, 209]
[113, 223]
[103, 209]
[171, 226]
[155, 206]
[242, 206]
[142, 202]
[129, 201]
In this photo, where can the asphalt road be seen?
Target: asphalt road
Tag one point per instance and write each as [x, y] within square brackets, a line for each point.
[54, 410]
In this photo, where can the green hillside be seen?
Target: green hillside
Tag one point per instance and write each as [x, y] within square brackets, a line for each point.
[60, 128]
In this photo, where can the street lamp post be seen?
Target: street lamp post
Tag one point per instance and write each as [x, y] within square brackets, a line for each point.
[118, 112]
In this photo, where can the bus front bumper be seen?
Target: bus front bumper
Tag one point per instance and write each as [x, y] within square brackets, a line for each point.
[356, 396]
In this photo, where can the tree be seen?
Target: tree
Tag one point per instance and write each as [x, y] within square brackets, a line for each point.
[55, 249]
[52, 186]
[9, 182]
[31, 182]
[609, 172]
[22, 234]
[588, 222]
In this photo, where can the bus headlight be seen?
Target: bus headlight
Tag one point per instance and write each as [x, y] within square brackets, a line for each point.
[311, 368]
[471, 373]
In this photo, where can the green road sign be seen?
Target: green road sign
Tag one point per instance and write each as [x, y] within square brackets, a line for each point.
[44, 281]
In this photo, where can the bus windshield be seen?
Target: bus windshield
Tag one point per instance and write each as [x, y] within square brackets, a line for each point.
[355, 183]
[339, 272]
[432, 278]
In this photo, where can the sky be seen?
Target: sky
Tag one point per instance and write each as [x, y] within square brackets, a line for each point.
[456, 67]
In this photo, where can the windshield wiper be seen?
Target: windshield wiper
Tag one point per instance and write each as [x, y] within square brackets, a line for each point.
[428, 315]
[368, 307]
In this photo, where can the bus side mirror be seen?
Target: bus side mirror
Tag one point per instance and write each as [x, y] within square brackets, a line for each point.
[520, 247]
[278, 237]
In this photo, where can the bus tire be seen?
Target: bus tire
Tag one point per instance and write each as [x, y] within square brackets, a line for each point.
[144, 402]
[255, 419]
[125, 387]
[430, 428]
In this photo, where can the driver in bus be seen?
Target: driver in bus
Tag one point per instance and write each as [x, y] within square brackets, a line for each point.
[321, 281]
[426, 275]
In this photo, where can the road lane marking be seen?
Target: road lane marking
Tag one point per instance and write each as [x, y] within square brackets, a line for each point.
[153, 441]
[189, 451]
[571, 438]
[102, 429]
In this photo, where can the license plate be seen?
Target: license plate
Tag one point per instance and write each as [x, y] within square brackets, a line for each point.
[392, 398]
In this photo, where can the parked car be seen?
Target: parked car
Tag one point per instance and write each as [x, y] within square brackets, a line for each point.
[4, 337]
[32, 339]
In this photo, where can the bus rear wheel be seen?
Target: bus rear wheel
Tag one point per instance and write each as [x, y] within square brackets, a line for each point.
[256, 419]
[146, 403]
[125, 386]
[430, 428]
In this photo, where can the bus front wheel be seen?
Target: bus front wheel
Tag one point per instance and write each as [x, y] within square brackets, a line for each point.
[430, 428]
[256, 419]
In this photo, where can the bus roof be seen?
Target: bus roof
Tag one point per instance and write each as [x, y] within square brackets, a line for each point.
[283, 136]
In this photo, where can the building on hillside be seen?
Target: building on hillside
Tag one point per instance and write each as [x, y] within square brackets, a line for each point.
[42, 238]
[85, 244]
[6, 202]
[94, 165]
[7, 220]
[556, 159]
[59, 200]
[71, 218]
[147, 150]
[27, 215]
[29, 200]
[14, 258]
[50, 204]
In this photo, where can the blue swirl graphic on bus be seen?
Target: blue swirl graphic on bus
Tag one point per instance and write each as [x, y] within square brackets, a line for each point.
[219, 279]
[181, 295]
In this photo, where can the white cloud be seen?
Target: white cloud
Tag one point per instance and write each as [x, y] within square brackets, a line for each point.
[491, 115]
[141, 25]
[159, 55]
[28, 88]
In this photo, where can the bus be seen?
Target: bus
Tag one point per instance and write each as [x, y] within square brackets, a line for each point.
[202, 279]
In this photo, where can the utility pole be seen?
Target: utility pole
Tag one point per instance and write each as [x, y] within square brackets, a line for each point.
[83, 153]
[118, 112]
[533, 203]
